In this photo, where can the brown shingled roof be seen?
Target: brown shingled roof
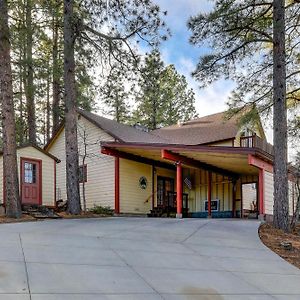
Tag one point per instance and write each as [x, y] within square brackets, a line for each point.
[199, 131]
[122, 132]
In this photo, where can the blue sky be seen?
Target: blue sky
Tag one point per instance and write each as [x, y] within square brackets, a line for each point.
[178, 51]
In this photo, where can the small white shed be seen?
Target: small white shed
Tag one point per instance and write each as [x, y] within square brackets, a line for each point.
[37, 176]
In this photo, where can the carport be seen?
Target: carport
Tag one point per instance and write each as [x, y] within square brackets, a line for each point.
[235, 165]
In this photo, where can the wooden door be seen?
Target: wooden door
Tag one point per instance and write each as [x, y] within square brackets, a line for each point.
[31, 181]
[164, 186]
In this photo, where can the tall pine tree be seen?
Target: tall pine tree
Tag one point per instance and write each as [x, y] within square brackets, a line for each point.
[10, 169]
[163, 97]
[248, 45]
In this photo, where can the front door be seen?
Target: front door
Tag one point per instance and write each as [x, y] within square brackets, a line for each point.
[165, 185]
[30, 181]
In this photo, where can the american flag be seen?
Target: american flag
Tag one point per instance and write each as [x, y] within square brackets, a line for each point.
[188, 182]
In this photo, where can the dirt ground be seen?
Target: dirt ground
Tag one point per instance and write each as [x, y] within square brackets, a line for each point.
[66, 215]
[273, 238]
[63, 215]
[24, 218]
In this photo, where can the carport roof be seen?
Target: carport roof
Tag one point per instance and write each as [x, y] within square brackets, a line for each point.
[230, 160]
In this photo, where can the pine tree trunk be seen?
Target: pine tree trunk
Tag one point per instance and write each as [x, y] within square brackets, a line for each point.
[48, 107]
[72, 167]
[29, 82]
[10, 170]
[20, 128]
[55, 83]
[281, 202]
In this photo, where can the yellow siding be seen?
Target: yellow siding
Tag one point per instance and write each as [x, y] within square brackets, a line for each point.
[268, 193]
[134, 199]
[292, 199]
[100, 168]
[58, 150]
[221, 190]
[48, 180]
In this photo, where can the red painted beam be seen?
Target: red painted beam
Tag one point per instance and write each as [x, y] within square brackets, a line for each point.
[179, 189]
[117, 185]
[259, 163]
[209, 194]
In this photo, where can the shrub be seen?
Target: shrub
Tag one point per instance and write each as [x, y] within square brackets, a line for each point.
[102, 210]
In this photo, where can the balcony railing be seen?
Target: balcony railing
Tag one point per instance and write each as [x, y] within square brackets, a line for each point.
[254, 141]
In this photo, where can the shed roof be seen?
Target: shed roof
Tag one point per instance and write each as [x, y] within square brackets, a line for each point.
[37, 148]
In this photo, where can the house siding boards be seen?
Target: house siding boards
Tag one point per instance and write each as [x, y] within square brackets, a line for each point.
[58, 149]
[292, 198]
[99, 188]
[269, 194]
[48, 173]
[134, 199]
[221, 189]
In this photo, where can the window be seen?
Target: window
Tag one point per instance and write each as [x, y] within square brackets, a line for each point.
[29, 173]
[82, 173]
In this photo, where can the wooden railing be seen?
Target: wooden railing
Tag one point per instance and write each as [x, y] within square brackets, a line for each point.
[254, 141]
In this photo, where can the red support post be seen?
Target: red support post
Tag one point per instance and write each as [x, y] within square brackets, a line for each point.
[209, 195]
[261, 208]
[117, 185]
[179, 190]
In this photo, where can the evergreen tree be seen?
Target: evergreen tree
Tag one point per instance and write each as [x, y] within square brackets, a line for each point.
[149, 97]
[115, 96]
[10, 169]
[37, 44]
[109, 27]
[163, 96]
[72, 168]
[248, 41]
[178, 100]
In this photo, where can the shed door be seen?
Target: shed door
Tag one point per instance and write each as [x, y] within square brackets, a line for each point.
[30, 181]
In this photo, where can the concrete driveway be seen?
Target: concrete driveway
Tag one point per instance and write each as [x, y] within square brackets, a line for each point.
[140, 258]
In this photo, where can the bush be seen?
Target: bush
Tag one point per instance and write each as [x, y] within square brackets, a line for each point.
[102, 210]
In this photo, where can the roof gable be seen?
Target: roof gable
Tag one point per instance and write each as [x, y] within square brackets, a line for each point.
[37, 148]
